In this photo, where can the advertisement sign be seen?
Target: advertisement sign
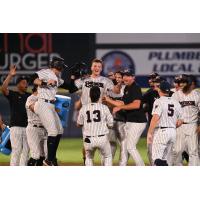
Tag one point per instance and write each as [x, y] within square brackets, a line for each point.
[166, 62]
[29, 52]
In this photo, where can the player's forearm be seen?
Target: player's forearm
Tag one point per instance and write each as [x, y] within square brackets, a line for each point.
[114, 102]
[39, 82]
[153, 124]
[131, 106]
[6, 83]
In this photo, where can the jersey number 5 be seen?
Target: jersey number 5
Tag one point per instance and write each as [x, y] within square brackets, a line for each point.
[96, 118]
[170, 110]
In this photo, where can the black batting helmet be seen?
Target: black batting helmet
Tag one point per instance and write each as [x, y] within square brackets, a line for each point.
[57, 62]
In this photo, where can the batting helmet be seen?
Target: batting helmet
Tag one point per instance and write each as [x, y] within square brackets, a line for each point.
[57, 62]
[79, 69]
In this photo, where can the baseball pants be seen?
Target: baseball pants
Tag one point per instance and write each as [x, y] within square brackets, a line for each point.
[163, 144]
[48, 117]
[187, 139]
[102, 143]
[20, 148]
[133, 133]
[37, 141]
[124, 156]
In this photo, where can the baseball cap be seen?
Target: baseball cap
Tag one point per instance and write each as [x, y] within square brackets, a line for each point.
[177, 79]
[159, 79]
[165, 86]
[153, 75]
[128, 72]
[21, 78]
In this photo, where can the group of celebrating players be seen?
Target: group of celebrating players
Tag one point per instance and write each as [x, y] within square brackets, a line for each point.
[111, 110]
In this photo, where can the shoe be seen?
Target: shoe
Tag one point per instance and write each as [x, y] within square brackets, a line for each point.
[47, 163]
[55, 162]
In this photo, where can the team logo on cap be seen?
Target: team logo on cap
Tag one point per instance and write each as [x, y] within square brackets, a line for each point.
[117, 61]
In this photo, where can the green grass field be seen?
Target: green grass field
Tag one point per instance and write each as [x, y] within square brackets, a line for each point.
[70, 153]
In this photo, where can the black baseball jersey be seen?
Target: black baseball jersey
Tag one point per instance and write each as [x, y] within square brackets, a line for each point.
[131, 93]
[18, 113]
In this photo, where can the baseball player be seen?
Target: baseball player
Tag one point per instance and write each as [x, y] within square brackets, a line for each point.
[18, 120]
[161, 134]
[95, 118]
[117, 133]
[187, 138]
[36, 134]
[135, 116]
[48, 81]
[176, 84]
[148, 99]
[95, 79]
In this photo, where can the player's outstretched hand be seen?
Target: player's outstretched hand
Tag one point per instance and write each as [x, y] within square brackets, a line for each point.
[12, 71]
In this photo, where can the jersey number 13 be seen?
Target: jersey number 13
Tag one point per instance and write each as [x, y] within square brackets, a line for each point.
[96, 116]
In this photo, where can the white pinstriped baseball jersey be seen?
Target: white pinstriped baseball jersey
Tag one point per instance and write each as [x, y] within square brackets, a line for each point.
[169, 111]
[32, 117]
[190, 104]
[117, 96]
[95, 118]
[103, 83]
[48, 92]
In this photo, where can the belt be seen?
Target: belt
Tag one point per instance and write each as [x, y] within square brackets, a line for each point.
[49, 101]
[38, 126]
[162, 127]
[88, 136]
[119, 120]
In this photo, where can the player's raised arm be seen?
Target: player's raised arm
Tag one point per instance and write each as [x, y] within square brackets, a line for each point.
[6, 82]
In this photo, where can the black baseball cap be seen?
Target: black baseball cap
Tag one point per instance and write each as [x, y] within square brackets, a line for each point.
[21, 78]
[165, 87]
[159, 79]
[128, 72]
[153, 75]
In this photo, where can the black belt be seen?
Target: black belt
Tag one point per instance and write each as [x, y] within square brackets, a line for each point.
[88, 136]
[162, 127]
[119, 120]
[38, 126]
[49, 101]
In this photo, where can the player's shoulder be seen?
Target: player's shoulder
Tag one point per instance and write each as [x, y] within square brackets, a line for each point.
[196, 92]
[158, 101]
[44, 71]
[177, 93]
[105, 79]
